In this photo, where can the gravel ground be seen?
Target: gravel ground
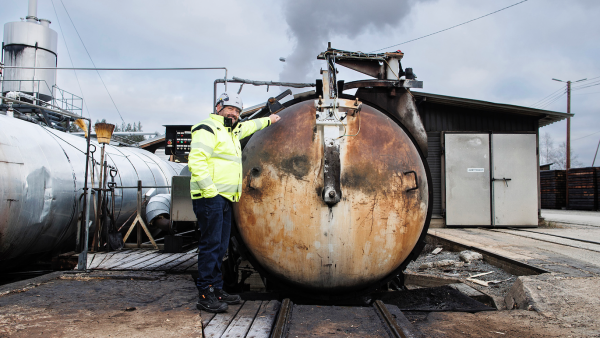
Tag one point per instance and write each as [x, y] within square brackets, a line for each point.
[462, 271]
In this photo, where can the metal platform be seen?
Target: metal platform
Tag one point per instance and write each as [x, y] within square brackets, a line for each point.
[143, 260]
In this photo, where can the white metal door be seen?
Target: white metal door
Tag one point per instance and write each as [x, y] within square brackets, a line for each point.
[516, 200]
[467, 177]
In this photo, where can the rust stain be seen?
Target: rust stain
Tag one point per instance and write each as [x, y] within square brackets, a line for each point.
[294, 234]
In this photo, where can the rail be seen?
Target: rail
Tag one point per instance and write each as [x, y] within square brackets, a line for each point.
[397, 325]
[279, 330]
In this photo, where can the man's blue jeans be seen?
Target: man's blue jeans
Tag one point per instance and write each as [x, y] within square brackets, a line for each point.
[214, 222]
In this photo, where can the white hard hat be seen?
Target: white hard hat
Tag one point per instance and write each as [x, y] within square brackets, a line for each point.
[230, 99]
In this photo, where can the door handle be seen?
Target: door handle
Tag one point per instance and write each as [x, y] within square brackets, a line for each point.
[416, 180]
[502, 179]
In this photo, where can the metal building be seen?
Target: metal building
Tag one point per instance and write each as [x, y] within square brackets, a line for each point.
[484, 161]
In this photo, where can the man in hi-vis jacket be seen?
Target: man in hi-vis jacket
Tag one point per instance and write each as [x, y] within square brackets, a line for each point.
[215, 162]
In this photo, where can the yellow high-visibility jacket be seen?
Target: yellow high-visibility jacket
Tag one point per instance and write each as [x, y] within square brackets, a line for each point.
[215, 159]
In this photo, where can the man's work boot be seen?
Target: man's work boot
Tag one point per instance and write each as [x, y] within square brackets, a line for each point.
[227, 298]
[208, 301]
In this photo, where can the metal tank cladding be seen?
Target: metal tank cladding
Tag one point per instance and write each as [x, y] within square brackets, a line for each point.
[30, 44]
[41, 185]
[303, 243]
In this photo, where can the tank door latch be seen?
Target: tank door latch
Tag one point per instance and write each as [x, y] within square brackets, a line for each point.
[331, 130]
[331, 172]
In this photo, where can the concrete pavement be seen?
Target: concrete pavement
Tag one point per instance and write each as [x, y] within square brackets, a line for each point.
[591, 218]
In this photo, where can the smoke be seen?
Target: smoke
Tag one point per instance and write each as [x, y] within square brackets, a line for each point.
[313, 23]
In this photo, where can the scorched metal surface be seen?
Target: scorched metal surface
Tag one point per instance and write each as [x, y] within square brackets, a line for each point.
[300, 240]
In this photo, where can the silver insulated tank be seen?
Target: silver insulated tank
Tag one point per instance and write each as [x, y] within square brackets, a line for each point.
[30, 43]
[41, 186]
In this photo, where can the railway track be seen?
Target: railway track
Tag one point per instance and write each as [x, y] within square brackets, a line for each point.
[273, 319]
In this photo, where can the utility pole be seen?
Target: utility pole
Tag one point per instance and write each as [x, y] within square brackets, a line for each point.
[569, 119]
[569, 125]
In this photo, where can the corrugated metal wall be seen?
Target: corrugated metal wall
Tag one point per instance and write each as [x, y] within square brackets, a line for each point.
[438, 117]
[435, 165]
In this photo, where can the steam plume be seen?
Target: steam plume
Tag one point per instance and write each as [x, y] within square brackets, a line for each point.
[314, 22]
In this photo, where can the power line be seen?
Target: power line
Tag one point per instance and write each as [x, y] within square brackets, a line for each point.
[545, 98]
[586, 93]
[88, 53]
[551, 102]
[550, 98]
[443, 30]
[72, 64]
[585, 84]
[586, 136]
[588, 86]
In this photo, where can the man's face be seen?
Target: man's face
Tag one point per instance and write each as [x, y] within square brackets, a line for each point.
[232, 112]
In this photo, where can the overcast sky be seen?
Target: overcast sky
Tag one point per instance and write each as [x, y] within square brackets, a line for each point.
[508, 57]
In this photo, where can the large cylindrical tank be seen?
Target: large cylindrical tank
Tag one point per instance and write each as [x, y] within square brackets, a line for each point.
[41, 185]
[30, 44]
[306, 245]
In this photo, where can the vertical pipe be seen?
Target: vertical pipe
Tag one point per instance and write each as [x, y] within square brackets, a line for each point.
[104, 210]
[2, 72]
[215, 97]
[83, 225]
[569, 125]
[537, 152]
[9, 112]
[96, 241]
[139, 213]
[568, 166]
[33, 79]
[32, 11]
[82, 262]
[112, 208]
[490, 151]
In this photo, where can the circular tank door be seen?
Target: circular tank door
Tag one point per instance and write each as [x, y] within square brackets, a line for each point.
[303, 242]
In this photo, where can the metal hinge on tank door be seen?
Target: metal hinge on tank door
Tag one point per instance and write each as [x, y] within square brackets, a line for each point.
[330, 113]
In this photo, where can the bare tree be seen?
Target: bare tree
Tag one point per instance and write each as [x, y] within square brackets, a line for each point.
[556, 155]
[546, 148]
[560, 157]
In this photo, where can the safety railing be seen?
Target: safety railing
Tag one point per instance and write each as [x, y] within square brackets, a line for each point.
[60, 98]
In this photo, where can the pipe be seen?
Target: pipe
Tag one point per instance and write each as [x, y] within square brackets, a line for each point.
[158, 205]
[82, 261]
[32, 11]
[255, 83]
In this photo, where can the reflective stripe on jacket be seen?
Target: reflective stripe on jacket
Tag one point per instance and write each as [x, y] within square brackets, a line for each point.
[215, 159]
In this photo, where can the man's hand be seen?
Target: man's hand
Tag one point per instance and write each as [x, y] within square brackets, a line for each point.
[274, 118]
